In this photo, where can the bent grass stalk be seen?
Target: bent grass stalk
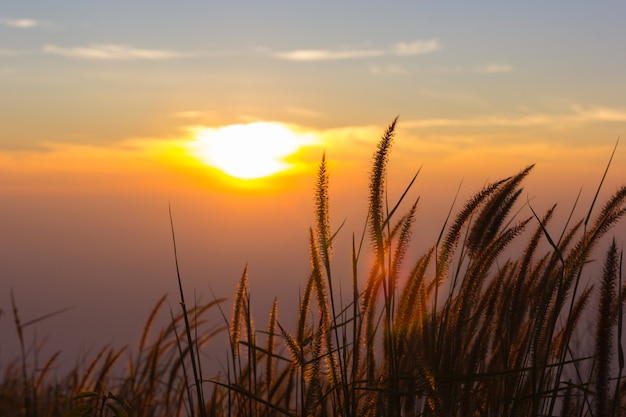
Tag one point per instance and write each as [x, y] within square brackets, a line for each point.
[190, 341]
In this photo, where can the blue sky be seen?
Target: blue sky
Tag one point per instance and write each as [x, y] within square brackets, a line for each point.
[101, 72]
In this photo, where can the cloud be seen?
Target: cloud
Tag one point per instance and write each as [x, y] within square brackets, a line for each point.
[9, 52]
[299, 111]
[20, 23]
[111, 52]
[578, 116]
[418, 47]
[326, 55]
[188, 114]
[389, 69]
[599, 114]
[494, 69]
[491, 68]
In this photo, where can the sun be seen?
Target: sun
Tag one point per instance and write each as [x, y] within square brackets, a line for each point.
[249, 151]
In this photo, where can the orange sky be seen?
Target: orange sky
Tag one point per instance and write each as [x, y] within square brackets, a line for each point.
[99, 104]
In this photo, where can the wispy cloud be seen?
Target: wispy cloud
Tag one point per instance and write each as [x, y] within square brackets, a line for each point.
[494, 68]
[9, 52]
[578, 116]
[388, 69]
[20, 23]
[188, 114]
[490, 68]
[326, 54]
[599, 114]
[299, 111]
[197, 115]
[417, 47]
[112, 52]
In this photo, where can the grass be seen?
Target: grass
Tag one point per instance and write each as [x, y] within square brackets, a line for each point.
[486, 322]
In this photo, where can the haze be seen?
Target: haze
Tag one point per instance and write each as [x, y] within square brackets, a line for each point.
[99, 102]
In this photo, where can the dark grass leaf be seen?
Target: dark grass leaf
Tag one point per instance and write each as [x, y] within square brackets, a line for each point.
[85, 394]
[82, 410]
[117, 411]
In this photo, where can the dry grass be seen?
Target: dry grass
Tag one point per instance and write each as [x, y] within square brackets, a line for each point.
[474, 327]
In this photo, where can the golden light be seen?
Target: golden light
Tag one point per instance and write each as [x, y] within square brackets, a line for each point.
[249, 151]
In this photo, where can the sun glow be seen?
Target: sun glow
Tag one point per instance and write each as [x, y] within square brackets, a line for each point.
[249, 151]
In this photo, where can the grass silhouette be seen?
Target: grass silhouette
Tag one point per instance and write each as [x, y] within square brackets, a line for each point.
[484, 323]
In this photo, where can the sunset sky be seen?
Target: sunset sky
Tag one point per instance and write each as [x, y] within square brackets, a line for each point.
[112, 111]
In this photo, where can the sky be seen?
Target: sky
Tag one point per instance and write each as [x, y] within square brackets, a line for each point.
[110, 111]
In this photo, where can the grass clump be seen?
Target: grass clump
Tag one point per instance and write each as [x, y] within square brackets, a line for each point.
[486, 322]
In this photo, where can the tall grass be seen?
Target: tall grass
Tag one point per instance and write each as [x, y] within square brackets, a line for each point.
[486, 322]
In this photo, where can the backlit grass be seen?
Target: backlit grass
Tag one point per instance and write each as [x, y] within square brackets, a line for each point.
[484, 323]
